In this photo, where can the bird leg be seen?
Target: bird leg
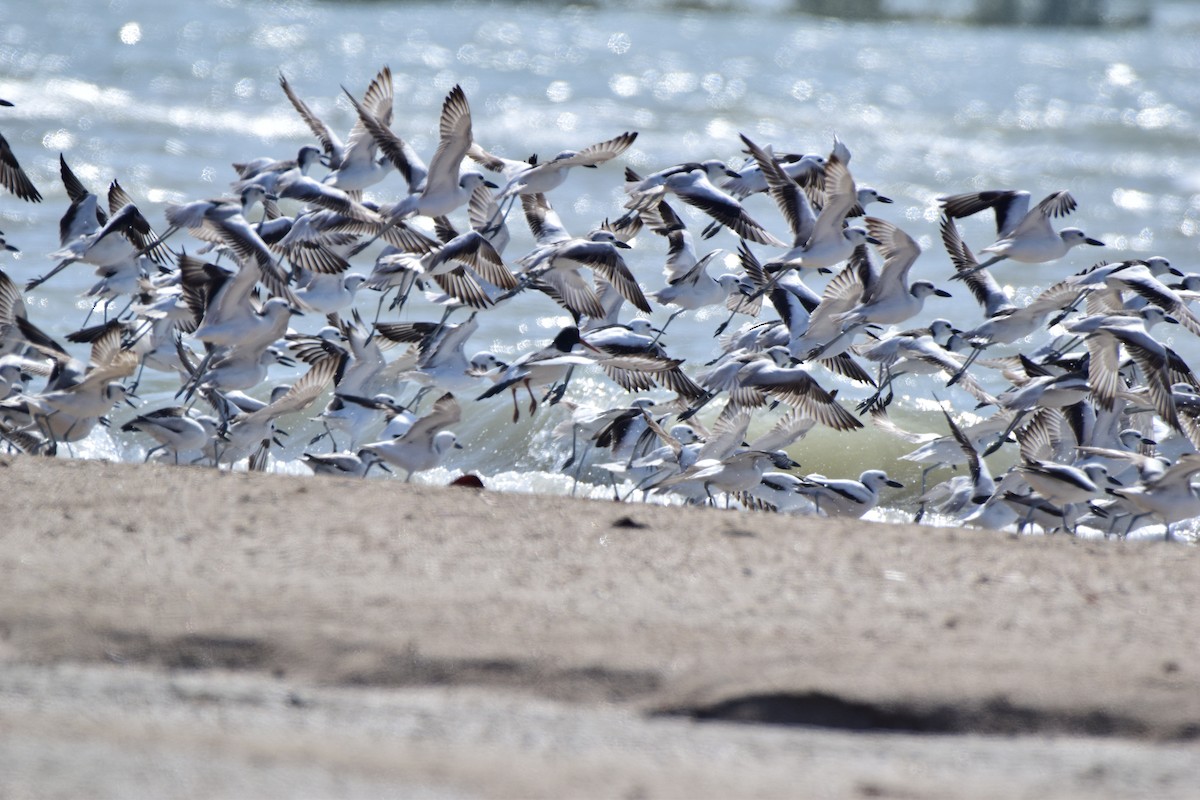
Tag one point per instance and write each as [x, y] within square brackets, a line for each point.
[964, 274]
[516, 409]
[1012, 426]
[663, 329]
[976, 350]
[555, 395]
[533, 403]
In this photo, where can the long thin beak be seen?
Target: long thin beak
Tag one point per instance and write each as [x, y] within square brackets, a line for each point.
[623, 245]
[1095, 242]
[490, 185]
[883, 199]
[942, 293]
[895, 484]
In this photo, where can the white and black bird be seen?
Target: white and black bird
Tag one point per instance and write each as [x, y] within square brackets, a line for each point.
[538, 368]
[1022, 234]
[426, 443]
[845, 497]
[356, 164]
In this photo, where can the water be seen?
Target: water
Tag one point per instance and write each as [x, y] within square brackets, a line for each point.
[164, 97]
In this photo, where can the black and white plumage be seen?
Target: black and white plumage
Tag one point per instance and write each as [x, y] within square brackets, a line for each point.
[426, 443]
[1022, 234]
[12, 176]
[355, 165]
[845, 497]
[558, 257]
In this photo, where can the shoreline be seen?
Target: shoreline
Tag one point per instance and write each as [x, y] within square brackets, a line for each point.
[557, 614]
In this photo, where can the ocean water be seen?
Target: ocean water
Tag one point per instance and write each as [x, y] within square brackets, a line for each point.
[165, 97]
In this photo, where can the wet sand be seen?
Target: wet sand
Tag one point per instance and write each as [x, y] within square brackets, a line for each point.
[178, 632]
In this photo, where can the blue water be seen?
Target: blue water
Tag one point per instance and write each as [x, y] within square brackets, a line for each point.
[164, 97]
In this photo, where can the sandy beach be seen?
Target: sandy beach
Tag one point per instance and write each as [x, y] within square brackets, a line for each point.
[179, 632]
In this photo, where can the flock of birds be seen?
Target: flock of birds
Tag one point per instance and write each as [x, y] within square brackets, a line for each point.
[1100, 418]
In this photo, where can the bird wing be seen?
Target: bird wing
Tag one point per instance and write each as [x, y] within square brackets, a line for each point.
[794, 204]
[13, 178]
[330, 142]
[454, 132]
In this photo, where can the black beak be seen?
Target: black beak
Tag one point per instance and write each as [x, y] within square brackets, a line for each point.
[873, 240]
[623, 245]
[883, 199]
[1094, 242]
[730, 173]
[490, 185]
[942, 293]
[895, 484]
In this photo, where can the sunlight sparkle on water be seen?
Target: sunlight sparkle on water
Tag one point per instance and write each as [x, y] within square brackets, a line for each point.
[131, 33]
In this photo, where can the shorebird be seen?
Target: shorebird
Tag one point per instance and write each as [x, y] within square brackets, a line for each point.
[693, 183]
[818, 240]
[111, 242]
[445, 187]
[689, 285]
[843, 497]
[426, 443]
[543, 367]
[269, 173]
[755, 379]
[344, 464]
[539, 177]
[558, 257]
[1022, 234]
[890, 299]
[355, 165]
[176, 430]
[1170, 498]
[750, 179]
[255, 430]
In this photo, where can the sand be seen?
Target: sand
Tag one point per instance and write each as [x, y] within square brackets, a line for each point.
[179, 632]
